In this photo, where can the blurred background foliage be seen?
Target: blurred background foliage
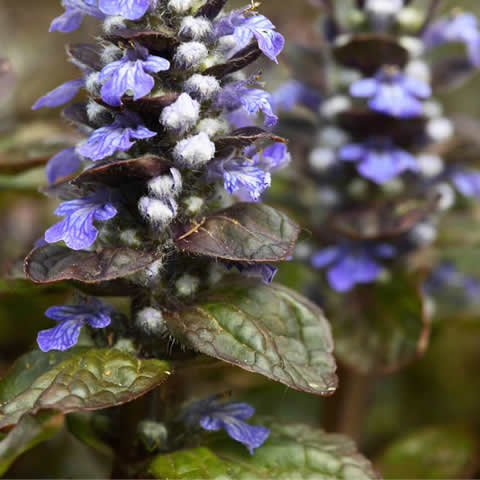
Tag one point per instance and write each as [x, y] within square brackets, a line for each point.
[422, 422]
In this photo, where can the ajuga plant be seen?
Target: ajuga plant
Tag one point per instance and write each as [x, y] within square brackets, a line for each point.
[389, 180]
[160, 205]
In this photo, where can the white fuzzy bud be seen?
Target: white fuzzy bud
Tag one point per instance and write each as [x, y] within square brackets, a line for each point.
[95, 112]
[187, 285]
[303, 251]
[432, 109]
[321, 159]
[150, 321]
[92, 84]
[110, 53]
[130, 238]
[393, 186]
[226, 43]
[410, 18]
[195, 28]
[332, 137]
[157, 212]
[440, 129]
[203, 87]
[423, 234]
[414, 45]
[213, 126]
[113, 23]
[429, 165]
[193, 205]
[335, 105]
[166, 186]
[181, 6]
[190, 54]
[384, 7]
[419, 70]
[195, 150]
[181, 115]
[445, 194]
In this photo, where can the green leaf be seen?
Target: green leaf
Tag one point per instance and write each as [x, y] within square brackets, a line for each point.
[30, 431]
[379, 328]
[433, 452]
[54, 263]
[246, 232]
[291, 452]
[266, 329]
[80, 425]
[77, 380]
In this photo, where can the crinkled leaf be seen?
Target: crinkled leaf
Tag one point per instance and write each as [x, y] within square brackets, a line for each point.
[434, 452]
[53, 263]
[123, 172]
[361, 123]
[85, 55]
[211, 9]
[81, 379]
[248, 232]
[240, 60]
[266, 329]
[379, 328]
[388, 219]
[291, 452]
[30, 431]
[370, 51]
[160, 41]
[243, 137]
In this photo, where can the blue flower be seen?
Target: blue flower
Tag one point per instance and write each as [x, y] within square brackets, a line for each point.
[378, 159]
[60, 95]
[71, 319]
[352, 264]
[458, 27]
[467, 182]
[248, 177]
[77, 229]
[273, 157]
[244, 28]
[237, 95]
[62, 164]
[265, 271]
[115, 137]
[129, 74]
[392, 92]
[130, 9]
[294, 93]
[75, 10]
[212, 415]
[446, 275]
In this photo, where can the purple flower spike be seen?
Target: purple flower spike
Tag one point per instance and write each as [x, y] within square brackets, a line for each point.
[130, 74]
[60, 95]
[461, 27]
[467, 182]
[350, 265]
[393, 93]
[105, 141]
[75, 10]
[244, 28]
[70, 319]
[130, 9]
[62, 164]
[378, 159]
[77, 229]
[212, 415]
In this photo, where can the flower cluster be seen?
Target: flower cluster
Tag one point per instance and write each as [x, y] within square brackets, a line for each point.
[161, 151]
[382, 131]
